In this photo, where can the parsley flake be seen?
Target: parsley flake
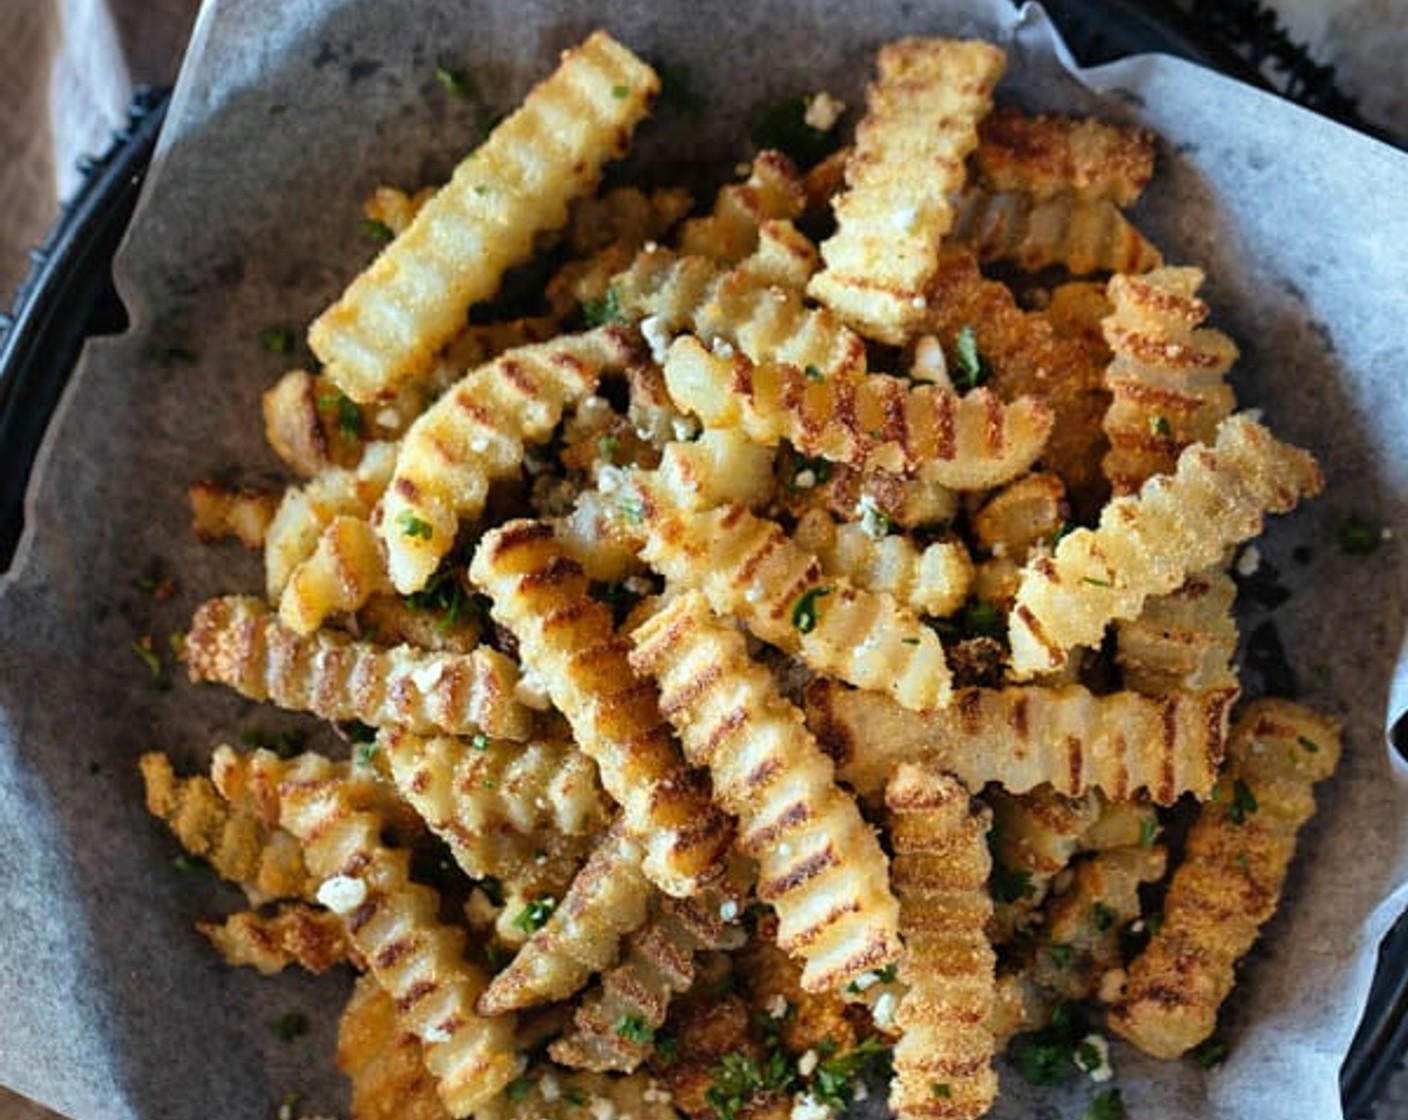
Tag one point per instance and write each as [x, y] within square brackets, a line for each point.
[1210, 1053]
[575, 1097]
[1061, 954]
[535, 915]
[374, 229]
[290, 1025]
[620, 93]
[607, 309]
[804, 611]
[1359, 537]
[1009, 885]
[1148, 830]
[142, 647]
[1160, 426]
[813, 372]
[1103, 916]
[1107, 1104]
[1243, 802]
[276, 340]
[454, 82]
[413, 526]
[834, 1082]
[941, 1090]
[1309, 744]
[634, 1029]
[518, 1088]
[351, 424]
[973, 369]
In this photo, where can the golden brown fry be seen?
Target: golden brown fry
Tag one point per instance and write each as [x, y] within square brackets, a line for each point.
[1147, 544]
[294, 934]
[395, 926]
[222, 511]
[920, 125]
[943, 1059]
[346, 568]
[820, 865]
[772, 191]
[1021, 516]
[392, 620]
[236, 841]
[1120, 743]
[968, 442]
[1228, 885]
[1167, 377]
[1081, 235]
[1047, 154]
[395, 209]
[313, 427]
[805, 1020]
[384, 1062]
[1182, 640]
[475, 434]
[411, 300]
[747, 567]
[1034, 837]
[569, 640]
[607, 900]
[237, 642]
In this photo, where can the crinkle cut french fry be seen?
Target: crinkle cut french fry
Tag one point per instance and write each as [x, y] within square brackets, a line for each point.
[1182, 640]
[411, 300]
[1047, 154]
[384, 1063]
[657, 963]
[221, 511]
[238, 843]
[294, 934]
[940, 873]
[395, 926]
[517, 812]
[668, 293]
[820, 865]
[1167, 377]
[608, 899]
[1022, 515]
[237, 642]
[772, 191]
[934, 581]
[546, 1090]
[307, 510]
[624, 215]
[475, 434]
[1229, 883]
[1021, 737]
[346, 568]
[969, 442]
[920, 125]
[569, 640]
[748, 567]
[1082, 236]
[1148, 543]
[1034, 837]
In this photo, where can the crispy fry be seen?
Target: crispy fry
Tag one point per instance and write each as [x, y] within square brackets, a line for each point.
[1047, 154]
[748, 567]
[1182, 640]
[394, 925]
[772, 190]
[568, 638]
[221, 511]
[1147, 544]
[943, 1060]
[1230, 880]
[1034, 837]
[920, 125]
[237, 642]
[1120, 743]
[475, 434]
[347, 567]
[384, 1062]
[1021, 516]
[411, 300]
[820, 866]
[294, 934]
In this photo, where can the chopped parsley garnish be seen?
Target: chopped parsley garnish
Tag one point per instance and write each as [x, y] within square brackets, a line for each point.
[813, 372]
[197, 865]
[1210, 1053]
[445, 594]
[1160, 426]
[350, 422]
[1061, 954]
[454, 82]
[518, 1088]
[667, 1048]
[413, 526]
[1009, 885]
[359, 732]
[290, 1025]
[1243, 802]
[783, 127]
[535, 915]
[634, 1029]
[888, 974]
[374, 229]
[1309, 744]
[479, 741]
[365, 753]
[1359, 537]
[738, 1077]
[607, 309]
[142, 647]
[984, 620]
[1095, 582]
[1088, 1056]
[1106, 1105]
[804, 611]
[973, 369]
[607, 446]
[941, 1090]
[620, 93]
[834, 1081]
[575, 1097]
[633, 510]
[1103, 916]
[276, 340]
[1148, 830]
[1047, 1056]
[808, 472]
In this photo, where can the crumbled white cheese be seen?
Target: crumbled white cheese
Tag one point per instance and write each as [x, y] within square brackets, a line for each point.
[722, 348]
[1249, 561]
[602, 1109]
[804, 480]
[874, 522]
[550, 1088]
[823, 111]
[865, 980]
[784, 849]
[729, 910]
[479, 445]
[342, 894]
[884, 1011]
[609, 479]
[919, 303]
[388, 418]
[807, 1107]
[807, 1063]
[655, 1093]
[436, 1033]
[776, 1007]
[652, 328]
[637, 585]
[651, 247]
[1102, 1070]
[859, 1092]
[684, 428]
[532, 691]
[428, 676]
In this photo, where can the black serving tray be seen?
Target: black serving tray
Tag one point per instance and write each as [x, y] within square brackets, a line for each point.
[68, 297]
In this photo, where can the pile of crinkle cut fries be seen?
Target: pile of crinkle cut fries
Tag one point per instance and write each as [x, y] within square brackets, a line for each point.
[731, 724]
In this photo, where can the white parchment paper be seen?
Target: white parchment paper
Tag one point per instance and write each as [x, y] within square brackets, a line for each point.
[286, 115]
